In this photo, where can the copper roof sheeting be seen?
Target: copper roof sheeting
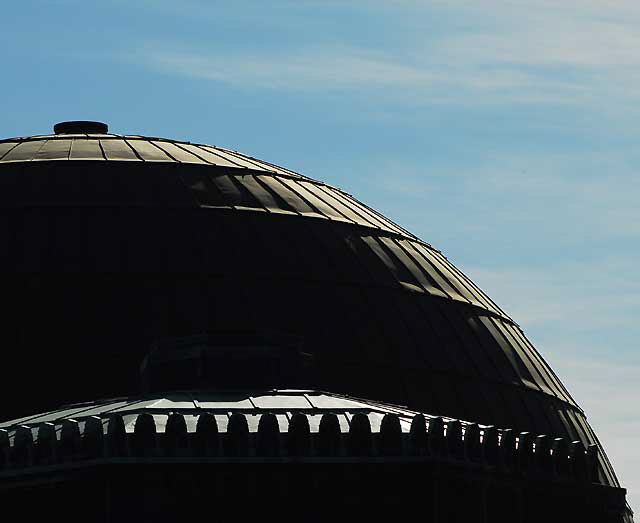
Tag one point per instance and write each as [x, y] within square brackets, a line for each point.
[127, 148]
[135, 238]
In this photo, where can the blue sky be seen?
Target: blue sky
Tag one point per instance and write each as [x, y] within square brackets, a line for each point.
[503, 132]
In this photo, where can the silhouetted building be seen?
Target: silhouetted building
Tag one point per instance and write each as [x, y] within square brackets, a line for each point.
[188, 329]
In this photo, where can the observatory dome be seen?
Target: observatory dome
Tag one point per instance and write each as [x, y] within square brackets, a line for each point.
[113, 243]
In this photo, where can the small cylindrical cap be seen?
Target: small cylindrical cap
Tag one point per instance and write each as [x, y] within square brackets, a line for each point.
[80, 127]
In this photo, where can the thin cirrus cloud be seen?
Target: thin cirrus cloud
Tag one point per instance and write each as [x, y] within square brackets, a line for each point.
[506, 52]
[345, 69]
[577, 198]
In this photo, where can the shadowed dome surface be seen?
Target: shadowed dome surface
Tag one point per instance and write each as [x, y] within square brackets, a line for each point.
[113, 242]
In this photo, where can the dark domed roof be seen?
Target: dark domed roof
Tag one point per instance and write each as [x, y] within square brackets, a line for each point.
[113, 242]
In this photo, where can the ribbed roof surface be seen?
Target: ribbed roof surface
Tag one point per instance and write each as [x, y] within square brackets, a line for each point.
[216, 238]
[126, 148]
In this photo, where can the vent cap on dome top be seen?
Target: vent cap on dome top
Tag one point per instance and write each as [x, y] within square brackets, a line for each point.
[80, 126]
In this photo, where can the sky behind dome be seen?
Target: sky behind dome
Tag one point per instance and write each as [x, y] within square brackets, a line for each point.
[503, 132]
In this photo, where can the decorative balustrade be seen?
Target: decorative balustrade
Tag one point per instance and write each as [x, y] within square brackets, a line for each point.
[433, 439]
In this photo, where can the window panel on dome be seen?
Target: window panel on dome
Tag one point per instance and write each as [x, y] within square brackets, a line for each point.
[247, 200]
[203, 189]
[105, 247]
[605, 469]
[266, 199]
[19, 184]
[415, 250]
[303, 195]
[419, 276]
[537, 416]
[86, 150]
[557, 426]
[512, 404]
[346, 266]
[334, 197]
[570, 430]
[371, 214]
[359, 210]
[499, 417]
[148, 152]
[420, 392]
[383, 268]
[232, 158]
[362, 323]
[468, 283]
[312, 196]
[230, 192]
[474, 393]
[107, 185]
[68, 186]
[255, 253]
[184, 239]
[69, 240]
[525, 357]
[511, 355]
[400, 340]
[585, 434]
[455, 343]
[447, 397]
[420, 313]
[260, 164]
[348, 212]
[162, 184]
[388, 224]
[35, 228]
[495, 356]
[279, 169]
[446, 279]
[229, 306]
[293, 201]
[8, 232]
[12, 181]
[145, 247]
[542, 366]
[116, 149]
[206, 155]
[491, 305]
[24, 151]
[276, 254]
[459, 280]
[5, 147]
[315, 262]
[221, 245]
[177, 153]
[243, 159]
[575, 422]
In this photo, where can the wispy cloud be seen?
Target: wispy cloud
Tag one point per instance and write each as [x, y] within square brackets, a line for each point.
[312, 69]
[356, 71]
[506, 52]
[555, 199]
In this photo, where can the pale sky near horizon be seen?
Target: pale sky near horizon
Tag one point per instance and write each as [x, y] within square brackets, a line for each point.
[503, 132]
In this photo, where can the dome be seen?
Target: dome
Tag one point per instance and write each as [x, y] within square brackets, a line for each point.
[113, 242]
